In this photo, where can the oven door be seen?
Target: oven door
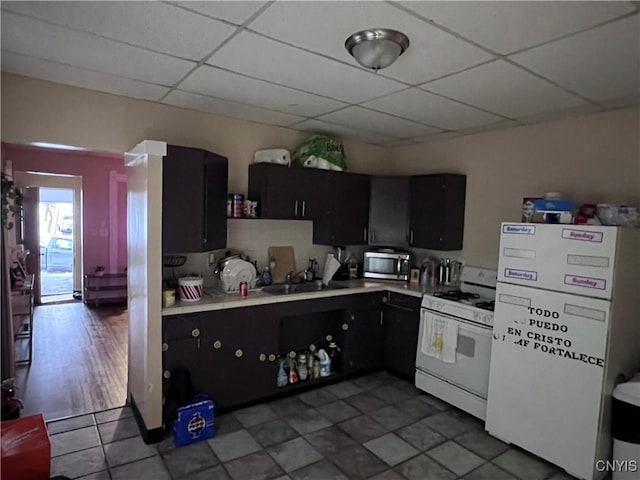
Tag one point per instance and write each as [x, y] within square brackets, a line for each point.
[473, 354]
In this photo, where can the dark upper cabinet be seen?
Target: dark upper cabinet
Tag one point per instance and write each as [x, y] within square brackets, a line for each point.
[194, 200]
[294, 193]
[347, 216]
[389, 211]
[400, 331]
[437, 211]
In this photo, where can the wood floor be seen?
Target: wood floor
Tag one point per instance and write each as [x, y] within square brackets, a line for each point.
[79, 361]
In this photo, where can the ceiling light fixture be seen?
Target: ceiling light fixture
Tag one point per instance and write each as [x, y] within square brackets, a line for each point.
[376, 48]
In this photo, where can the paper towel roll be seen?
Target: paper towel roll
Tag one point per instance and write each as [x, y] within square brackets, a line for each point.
[331, 266]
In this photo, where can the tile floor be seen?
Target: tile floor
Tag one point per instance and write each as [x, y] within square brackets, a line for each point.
[374, 426]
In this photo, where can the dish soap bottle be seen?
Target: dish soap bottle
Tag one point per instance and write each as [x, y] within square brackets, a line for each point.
[282, 375]
[266, 276]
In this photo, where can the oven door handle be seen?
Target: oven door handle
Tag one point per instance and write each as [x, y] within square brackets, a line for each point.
[466, 324]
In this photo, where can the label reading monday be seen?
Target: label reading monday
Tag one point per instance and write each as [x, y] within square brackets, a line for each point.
[550, 344]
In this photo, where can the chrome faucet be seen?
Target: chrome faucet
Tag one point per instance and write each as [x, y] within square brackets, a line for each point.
[291, 275]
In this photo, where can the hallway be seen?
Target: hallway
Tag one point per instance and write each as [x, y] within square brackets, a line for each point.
[79, 361]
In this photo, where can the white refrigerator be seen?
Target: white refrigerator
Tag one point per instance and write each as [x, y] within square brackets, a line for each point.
[566, 328]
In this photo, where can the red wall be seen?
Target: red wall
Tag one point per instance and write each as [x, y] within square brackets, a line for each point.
[94, 168]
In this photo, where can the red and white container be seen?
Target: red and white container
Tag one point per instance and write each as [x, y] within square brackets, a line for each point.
[190, 289]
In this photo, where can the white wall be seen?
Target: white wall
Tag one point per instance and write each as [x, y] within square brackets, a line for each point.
[590, 159]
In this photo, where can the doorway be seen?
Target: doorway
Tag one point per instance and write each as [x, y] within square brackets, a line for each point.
[51, 231]
[56, 222]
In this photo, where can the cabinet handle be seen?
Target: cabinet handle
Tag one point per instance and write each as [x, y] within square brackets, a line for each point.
[365, 234]
[217, 344]
[411, 237]
[239, 353]
[345, 326]
[295, 210]
[373, 235]
[262, 357]
[304, 206]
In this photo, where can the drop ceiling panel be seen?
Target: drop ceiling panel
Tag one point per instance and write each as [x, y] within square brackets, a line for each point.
[153, 25]
[432, 53]
[260, 57]
[56, 72]
[504, 89]
[431, 109]
[512, 26]
[61, 45]
[231, 109]
[332, 129]
[369, 120]
[601, 64]
[236, 12]
[226, 85]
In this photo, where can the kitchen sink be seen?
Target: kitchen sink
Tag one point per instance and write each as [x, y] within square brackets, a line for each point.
[288, 289]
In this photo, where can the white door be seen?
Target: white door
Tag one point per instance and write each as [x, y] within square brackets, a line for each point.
[566, 258]
[546, 375]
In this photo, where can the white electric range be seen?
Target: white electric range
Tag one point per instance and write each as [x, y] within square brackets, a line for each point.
[464, 382]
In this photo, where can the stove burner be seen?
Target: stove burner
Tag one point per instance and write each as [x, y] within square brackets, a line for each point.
[485, 305]
[456, 295]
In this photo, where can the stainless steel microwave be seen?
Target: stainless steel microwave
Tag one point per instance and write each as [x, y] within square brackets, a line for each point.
[387, 265]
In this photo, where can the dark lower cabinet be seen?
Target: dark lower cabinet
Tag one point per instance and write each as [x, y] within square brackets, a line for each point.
[231, 354]
[223, 351]
[400, 332]
[363, 342]
[194, 200]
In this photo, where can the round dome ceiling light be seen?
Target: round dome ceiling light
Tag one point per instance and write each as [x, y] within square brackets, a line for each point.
[376, 48]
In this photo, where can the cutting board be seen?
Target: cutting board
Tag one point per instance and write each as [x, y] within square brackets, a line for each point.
[285, 262]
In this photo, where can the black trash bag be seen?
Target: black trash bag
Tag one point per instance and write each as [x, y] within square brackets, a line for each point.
[178, 393]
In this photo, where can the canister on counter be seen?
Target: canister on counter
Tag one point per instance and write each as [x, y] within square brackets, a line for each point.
[244, 289]
[168, 297]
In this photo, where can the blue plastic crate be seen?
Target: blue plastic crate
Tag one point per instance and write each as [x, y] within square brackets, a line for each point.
[195, 422]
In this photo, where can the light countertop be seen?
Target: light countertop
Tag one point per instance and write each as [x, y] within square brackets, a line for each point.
[215, 300]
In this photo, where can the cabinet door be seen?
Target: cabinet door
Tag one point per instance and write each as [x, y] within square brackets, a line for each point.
[237, 344]
[311, 191]
[363, 340]
[389, 211]
[289, 193]
[347, 218]
[400, 329]
[183, 208]
[437, 211]
[215, 218]
[271, 186]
